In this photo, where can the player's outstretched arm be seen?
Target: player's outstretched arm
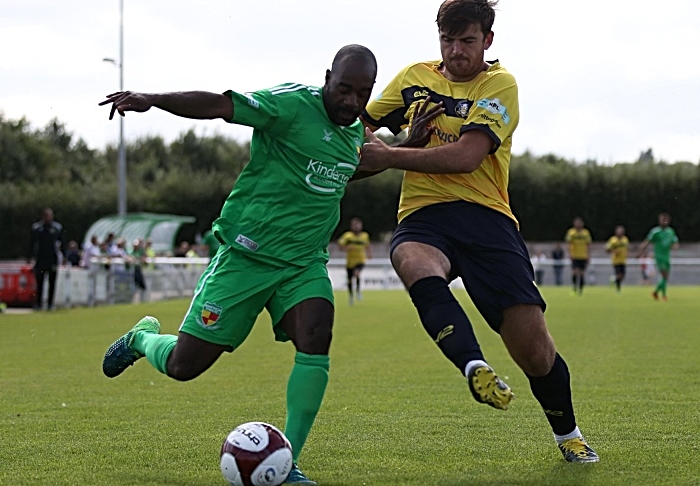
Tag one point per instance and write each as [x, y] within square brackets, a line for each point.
[642, 247]
[198, 105]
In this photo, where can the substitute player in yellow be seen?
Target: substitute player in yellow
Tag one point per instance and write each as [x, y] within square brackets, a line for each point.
[618, 246]
[455, 218]
[579, 239]
[356, 244]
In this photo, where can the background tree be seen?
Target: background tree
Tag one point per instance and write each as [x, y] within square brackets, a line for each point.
[194, 174]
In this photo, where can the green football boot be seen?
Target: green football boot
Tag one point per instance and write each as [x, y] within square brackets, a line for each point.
[119, 355]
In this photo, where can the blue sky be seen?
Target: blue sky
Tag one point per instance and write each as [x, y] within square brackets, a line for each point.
[601, 79]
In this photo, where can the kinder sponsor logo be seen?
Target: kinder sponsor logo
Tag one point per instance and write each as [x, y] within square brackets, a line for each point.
[328, 177]
[495, 107]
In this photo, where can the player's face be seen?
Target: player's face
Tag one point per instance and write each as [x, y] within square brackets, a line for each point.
[463, 54]
[619, 231]
[578, 223]
[356, 226]
[664, 220]
[347, 90]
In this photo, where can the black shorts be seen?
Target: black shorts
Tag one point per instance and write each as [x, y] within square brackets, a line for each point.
[485, 250]
[620, 269]
[579, 264]
[351, 270]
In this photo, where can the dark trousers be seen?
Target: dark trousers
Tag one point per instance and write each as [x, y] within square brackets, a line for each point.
[39, 274]
[558, 270]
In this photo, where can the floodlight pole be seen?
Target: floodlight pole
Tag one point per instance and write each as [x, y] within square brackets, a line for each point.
[121, 164]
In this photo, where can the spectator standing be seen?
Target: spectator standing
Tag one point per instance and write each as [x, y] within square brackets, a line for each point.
[119, 251]
[538, 260]
[138, 257]
[558, 264]
[47, 242]
[90, 250]
[150, 253]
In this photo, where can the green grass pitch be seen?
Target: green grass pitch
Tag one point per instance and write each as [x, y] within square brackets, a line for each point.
[396, 412]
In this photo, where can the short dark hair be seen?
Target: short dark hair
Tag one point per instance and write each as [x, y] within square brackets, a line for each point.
[356, 52]
[454, 16]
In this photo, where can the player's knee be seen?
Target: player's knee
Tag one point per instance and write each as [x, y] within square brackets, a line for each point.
[181, 370]
[315, 338]
[537, 365]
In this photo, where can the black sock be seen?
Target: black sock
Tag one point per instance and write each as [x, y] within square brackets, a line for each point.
[581, 282]
[574, 280]
[618, 283]
[445, 321]
[553, 391]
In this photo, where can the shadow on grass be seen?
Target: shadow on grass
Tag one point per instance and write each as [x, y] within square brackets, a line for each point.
[564, 473]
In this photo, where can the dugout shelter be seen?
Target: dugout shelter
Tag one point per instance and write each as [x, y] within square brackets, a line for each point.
[162, 229]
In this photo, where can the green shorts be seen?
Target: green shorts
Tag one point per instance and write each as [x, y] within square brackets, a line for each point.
[234, 290]
[663, 264]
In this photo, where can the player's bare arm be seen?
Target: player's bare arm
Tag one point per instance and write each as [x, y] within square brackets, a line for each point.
[419, 133]
[198, 105]
[422, 127]
[461, 157]
[642, 247]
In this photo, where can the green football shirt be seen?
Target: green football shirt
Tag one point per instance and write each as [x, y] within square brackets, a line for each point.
[663, 239]
[285, 204]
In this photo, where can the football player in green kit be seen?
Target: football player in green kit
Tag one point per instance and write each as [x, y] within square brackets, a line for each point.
[664, 239]
[274, 229]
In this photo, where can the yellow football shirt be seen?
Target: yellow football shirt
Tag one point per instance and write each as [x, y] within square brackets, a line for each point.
[618, 248]
[579, 242]
[488, 103]
[356, 247]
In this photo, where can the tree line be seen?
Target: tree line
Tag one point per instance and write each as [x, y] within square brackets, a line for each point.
[193, 175]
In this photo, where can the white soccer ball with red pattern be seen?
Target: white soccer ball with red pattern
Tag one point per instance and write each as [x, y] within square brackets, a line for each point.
[256, 454]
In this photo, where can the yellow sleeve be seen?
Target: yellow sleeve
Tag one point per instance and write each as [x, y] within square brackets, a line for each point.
[496, 112]
[343, 240]
[388, 108]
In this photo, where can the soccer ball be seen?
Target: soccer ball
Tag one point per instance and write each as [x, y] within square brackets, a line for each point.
[256, 454]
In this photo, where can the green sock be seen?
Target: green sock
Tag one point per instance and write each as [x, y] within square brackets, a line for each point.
[305, 389]
[658, 286]
[662, 286]
[155, 347]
